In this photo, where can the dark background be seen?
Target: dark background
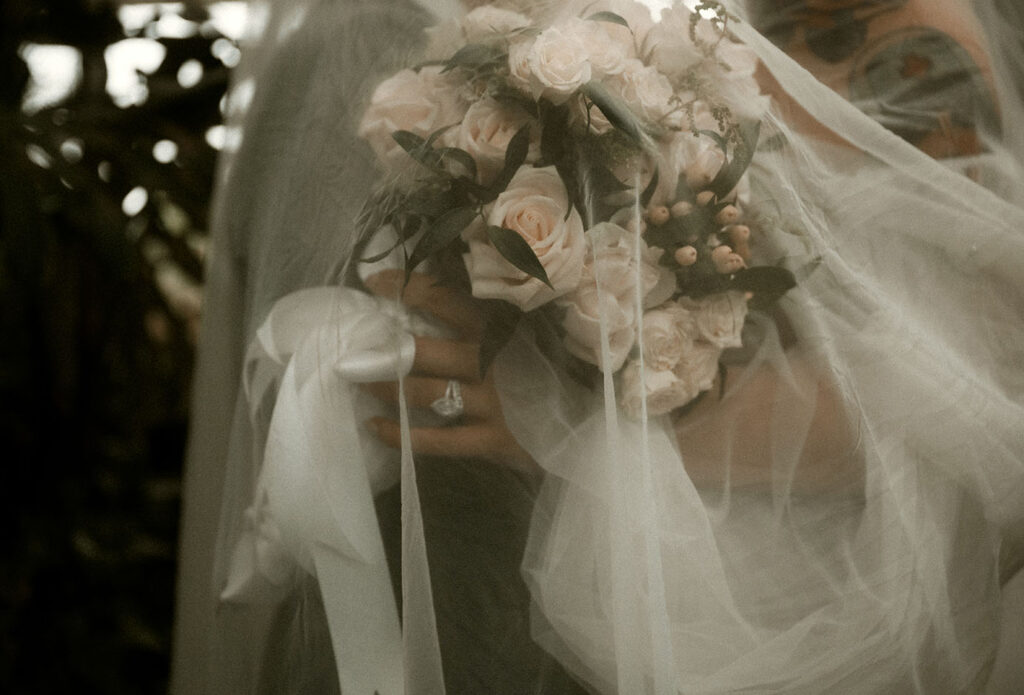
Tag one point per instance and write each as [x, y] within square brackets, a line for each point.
[98, 315]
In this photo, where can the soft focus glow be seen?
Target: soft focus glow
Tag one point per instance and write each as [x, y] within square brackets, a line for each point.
[216, 136]
[55, 72]
[135, 201]
[124, 58]
[190, 73]
[71, 150]
[229, 18]
[226, 52]
[104, 170]
[37, 155]
[165, 151]
[171, 26]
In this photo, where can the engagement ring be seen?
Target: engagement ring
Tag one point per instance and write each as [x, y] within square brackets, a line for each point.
[449, 406]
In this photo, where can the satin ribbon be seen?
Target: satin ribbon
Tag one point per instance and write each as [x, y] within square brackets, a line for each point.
[314, 496]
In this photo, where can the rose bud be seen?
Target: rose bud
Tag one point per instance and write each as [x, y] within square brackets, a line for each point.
[682, 209]
[728, 215]
[658, 214]
[686, 255]
[705, 197]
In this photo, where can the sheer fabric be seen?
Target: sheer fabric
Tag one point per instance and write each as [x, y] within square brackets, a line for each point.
[837, 521]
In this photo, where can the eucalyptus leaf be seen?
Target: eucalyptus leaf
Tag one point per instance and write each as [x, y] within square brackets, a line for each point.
[410, 142]
[432, 138]
[515, 154]
[615, 110]
[442, 232]
[648, 192]
[764, 280]
[608, 17]
[730, 174]
[473, 55]
[382, 255]
[461, 157]
[516, 251]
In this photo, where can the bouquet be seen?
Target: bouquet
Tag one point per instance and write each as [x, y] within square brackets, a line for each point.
[585, 173]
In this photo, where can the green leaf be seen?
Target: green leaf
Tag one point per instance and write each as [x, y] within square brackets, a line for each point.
[432, 138]
[615, 110]
[769, 281]
[648, 192]
[442, 232]
[473, 55]
[515, 154]
[516, 251]
[608, 17]
[554, 132]
[460, 157]
[410, 142]
[499, 327]
[730, 174]
[382, 255]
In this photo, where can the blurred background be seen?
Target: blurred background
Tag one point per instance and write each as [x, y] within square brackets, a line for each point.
[110, 122]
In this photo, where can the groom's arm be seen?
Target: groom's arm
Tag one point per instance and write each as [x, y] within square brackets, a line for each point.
[919, 67]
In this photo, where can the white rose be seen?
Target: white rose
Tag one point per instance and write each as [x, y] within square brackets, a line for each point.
[668, 334]
[534, 206]
[486, 131]
[719, 317]
[663, 390]
[607, 291]
[487, 21]
[648, 92]
[699, 365]
[420, 102]
[519, 64]
[607, 56]
[558, 61]
[668, 47]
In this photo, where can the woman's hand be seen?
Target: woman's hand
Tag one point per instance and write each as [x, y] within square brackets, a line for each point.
[481, 431]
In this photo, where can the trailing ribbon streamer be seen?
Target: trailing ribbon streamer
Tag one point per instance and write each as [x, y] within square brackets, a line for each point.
[313, 503]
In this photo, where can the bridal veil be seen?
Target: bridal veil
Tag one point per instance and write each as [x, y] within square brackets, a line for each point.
[838, 517]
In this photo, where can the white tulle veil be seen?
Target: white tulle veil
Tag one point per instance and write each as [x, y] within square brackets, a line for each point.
[840, 520]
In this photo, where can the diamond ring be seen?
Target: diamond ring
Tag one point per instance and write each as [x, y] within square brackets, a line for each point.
[449, 406]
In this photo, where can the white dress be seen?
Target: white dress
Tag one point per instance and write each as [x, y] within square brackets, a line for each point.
[873, 567]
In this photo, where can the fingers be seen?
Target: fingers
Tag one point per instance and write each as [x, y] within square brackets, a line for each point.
[478, 401]
[454, 308]
[447, 359]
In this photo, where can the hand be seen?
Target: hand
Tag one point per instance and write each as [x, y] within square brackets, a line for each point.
[481, 432]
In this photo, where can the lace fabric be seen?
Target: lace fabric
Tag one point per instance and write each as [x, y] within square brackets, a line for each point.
[833, 522]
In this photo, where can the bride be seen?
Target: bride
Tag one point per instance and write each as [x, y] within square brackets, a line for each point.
[366, 510]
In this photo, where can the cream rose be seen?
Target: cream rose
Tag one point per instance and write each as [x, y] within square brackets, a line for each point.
[488, 21]
[719, 317]
[420, 102]
[534, 206]
[607, 292]
[649, 92]
[486, 131]
[668, 334]
[699, 365]
[663, 390]
[519, 64]
[558, 61]
[668, 47]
